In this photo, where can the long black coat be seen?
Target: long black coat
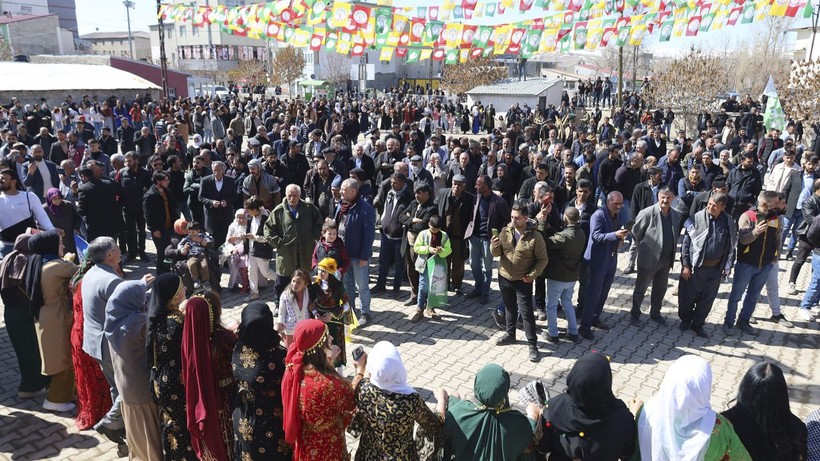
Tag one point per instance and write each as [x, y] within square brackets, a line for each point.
[98, 204]
[218, 219]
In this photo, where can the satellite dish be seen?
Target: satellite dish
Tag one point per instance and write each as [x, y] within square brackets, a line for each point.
[313, 76]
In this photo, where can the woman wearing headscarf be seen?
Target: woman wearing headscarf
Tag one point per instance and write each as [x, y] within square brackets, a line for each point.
[318, 403]
[387, 408]
[762, 418]
[503, 184]
[125, 324]
[164, 352]
[678, 424]
[489, 429]
[64, 217]
[331, 306]
[47, 275]
[588, 422]
[258, 366]
[93, 391]
[20, 321]
[205, 356]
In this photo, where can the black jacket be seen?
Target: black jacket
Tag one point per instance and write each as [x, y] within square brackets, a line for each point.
[811, 208]
[208, 194]
[98, 203]
[391, 226]
[153, 207]
[416, 210]
[642, 197]
[448, 205]
[134, 186]
[260, 249]
[297, 168]
[702, 198]
[745, 185]
[367, 165]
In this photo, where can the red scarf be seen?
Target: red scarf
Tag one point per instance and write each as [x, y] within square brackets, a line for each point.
[199, 378]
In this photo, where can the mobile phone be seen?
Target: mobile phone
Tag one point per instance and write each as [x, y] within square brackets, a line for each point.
[495, 233]
[357, 353]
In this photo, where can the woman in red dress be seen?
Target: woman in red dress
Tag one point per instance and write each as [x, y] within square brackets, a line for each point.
[93, 396]
[318, 403]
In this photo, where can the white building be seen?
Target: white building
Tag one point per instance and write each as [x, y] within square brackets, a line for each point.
[535, 92]
[803, 44]
[116, 44]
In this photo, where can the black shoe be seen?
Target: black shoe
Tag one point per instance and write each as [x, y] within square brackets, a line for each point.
[540, 315]
[635, 321]
[744, 326]
[475, 294]
[700, 332]
[395, 293]
[418, 316]
[574, 338]
[413, 300]
[533, 355]
[790, 255]
[128, 259]
[685, 325]
[505, 340]
[752, 321]
[658, 319]
[144, 257]
[500, 319]
[459, 292]
[587, 335]
[601, 325]
[485, 299]
[115, 435]
[552, 339]
[629, 270]
[377, 290]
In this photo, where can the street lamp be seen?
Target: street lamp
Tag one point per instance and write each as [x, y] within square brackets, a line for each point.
[128, 5]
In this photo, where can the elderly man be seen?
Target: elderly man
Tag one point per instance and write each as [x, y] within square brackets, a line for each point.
[360, 160]
[40, 174]
[318, 188]
[262, 185]
[523, 258]
[706, 257]
[98, 286]
[656, 232]
[217, 194]
[356, 220]
[455, 205]
[395, 202]
[605, 236]
[145, 143]
[292, 230]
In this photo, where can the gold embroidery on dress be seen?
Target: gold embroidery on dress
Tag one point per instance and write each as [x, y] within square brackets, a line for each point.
[248, 357]
[245, 429]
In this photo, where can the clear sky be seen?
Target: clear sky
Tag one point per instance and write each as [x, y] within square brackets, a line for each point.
[92, 17]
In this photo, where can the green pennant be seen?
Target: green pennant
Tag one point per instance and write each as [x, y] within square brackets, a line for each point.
[623, 36]
[706, 22]
[482, 36]
[383, 22]
[748, 16]
[531, 42]
[808, 11]
[566, 43]
[666, 30]
[451, 57]
[413, 56]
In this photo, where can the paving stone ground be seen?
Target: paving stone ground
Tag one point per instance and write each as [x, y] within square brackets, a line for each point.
[448, 353]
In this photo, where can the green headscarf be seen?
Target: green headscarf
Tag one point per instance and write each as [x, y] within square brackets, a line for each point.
[488, 430]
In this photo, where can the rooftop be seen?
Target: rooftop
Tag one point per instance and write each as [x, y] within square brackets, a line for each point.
[531, 86]
[25, 76]
[22, 17]
[113, 35]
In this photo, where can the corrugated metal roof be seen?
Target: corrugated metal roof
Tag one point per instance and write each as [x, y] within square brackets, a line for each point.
[531, 86]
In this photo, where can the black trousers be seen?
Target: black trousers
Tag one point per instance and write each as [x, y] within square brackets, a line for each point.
[804, 249]
[456, 261]
[410, 270]
[517, 295]
[658, 276]
[541, 293]
[23, 337]
[160, 244]
[135, 232]
[583, 281]
[696, 295]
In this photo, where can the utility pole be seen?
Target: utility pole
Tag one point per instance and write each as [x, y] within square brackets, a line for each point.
[128, 5]
[163, 61]
[815, 15]
[634, 68]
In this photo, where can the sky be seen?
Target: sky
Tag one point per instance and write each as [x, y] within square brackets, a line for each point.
[92, 18]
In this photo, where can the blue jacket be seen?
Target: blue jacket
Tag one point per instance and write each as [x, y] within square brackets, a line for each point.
[360, 229]
[34, 182]
[671, 173]
[603, 243]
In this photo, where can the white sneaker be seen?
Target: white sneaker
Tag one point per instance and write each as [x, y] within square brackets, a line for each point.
[792, 289]
[805, 315]
[58, 407]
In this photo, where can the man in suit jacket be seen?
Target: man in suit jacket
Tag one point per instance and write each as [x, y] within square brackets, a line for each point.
[415, 219]
[455, 205]
[98, 204]
[360, 160]
[98, 286]
[656, 232]
[217, 193]
[40, 174]
[601, 253]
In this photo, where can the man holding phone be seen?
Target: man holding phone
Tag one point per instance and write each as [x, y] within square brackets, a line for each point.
[490, 214]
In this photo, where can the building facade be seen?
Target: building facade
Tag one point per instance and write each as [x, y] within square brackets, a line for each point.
[30, 35]
[116, 44]
[806, 44]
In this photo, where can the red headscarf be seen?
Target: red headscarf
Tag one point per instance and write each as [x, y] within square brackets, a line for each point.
[308, 336]
[198, 375]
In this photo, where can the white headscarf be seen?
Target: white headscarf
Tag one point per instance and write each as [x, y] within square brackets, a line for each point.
[676, 424]
[387, 370]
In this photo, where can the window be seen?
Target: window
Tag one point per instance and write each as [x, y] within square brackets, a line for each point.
[183, 31]
[169, 32]
[230, 3]
[194, 31]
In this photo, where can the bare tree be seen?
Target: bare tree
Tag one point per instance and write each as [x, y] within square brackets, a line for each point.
[251, 73]
[462, 77]
[336, 68]
[288, 66]
[689, 84]
[752, 62]
[799, 97]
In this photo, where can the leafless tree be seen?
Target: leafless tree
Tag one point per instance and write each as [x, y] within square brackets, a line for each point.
[799, 97]
[462, 77]
[287, 67]
[335, 68]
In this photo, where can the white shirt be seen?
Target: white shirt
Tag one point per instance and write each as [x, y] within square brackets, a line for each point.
[46, 176]
[219, 184]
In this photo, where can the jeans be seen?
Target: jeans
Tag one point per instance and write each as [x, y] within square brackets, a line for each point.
[358, 278]
[746, 276]
[517, 295]
[773, 289]
[560, 291]
[812, 295]
[667, 128]
[598, 284]
[480, 256]
[390, 253]
[112, 419]
[790, 225]
[424, 290]
[804, 249]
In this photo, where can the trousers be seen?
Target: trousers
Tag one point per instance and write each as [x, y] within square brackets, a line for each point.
[517, 296]
[697, 295]
[658, 276]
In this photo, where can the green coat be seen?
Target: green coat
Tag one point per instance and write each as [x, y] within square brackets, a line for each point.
[293, 239]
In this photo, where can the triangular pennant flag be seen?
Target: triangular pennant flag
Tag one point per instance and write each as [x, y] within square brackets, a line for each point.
[386, 53]
[666, 31]
[693, 27]
[340, 14]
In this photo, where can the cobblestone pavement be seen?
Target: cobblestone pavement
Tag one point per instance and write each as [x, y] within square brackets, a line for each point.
[448, 353]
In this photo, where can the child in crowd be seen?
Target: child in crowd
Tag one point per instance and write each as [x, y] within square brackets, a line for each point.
[330, 246]
[195, 247]
[233, 251]
[294, 305]
[432, 247]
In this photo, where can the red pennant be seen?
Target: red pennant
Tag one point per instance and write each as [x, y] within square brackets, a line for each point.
[401, 52]
[361, 14]
[438, 54]
[316, 42]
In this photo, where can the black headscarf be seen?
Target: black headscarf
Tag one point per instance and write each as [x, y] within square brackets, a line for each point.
[256, 328]
[164, 291]
[44, 247]
[589, 397]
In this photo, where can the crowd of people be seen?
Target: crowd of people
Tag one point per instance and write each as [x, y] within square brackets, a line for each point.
[552, 194]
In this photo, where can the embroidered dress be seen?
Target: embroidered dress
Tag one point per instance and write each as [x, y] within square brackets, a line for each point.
[93, 396]
[326, 407]
[330, 298]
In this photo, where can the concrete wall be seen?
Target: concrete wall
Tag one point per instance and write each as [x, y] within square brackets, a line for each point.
[35, 36]
[67, 11]
[58, 97]
[119, 47]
